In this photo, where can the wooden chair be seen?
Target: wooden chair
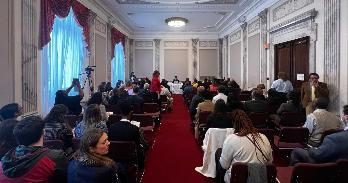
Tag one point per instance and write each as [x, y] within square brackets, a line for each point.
[269, 133]
[151, 108]
[239, 173]
[146, 121]
[54, 144]
[202, 125]
[137, 109]
[318, 173]
[291, 137]
[259, 119]
[342, 171]
[164, 103]
[113, 108]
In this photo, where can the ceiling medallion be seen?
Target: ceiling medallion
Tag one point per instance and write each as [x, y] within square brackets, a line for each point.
[176, 21]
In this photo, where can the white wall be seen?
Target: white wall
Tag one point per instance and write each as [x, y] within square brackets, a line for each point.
[175, 63]
[143, 63]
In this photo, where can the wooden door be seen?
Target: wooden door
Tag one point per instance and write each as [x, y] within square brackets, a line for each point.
[292, 57]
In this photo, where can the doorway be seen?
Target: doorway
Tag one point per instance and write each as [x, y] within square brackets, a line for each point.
[292, 57]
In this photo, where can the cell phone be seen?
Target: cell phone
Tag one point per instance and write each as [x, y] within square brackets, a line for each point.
[76, 81]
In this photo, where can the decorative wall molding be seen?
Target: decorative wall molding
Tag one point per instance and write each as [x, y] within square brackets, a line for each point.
[254, 26]
[263, 19]
[235, 36]
[244, 54]
[29, 56]
[289, 7]
[299, 26]
[143, 44]
[131, 52]
[100, 26]
[208, 43]
[332, 51]
[220, 66]
[176, 44]
[157, 53]
[225, 56]
[194, 54]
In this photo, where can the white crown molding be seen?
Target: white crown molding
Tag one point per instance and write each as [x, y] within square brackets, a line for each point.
[174, 35]
[107, 15]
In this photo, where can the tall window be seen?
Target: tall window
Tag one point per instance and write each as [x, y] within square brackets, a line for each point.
[62, 59]
[117, 65]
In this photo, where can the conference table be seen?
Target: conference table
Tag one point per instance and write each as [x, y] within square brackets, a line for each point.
[175, 88]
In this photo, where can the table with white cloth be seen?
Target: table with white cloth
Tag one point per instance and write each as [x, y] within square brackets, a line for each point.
[214, 139]
[175, 88]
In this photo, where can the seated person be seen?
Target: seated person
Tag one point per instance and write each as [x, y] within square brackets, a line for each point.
[274, 100]
[206, 105]
[213, 87]
[92, 118]
[198, 98]
[282, 84]
[114, 97]
[321, 120]
[135, 99]
[108, 87]
[165, 84]
[245, 145]
[72, 102]
[257, 104]
[30, 161]
[195, 83]
[90, 163]
[188, 89]
[219, 117]
[176, 80]
[233, 103]
[97, 98]
[11, 111]
[221, 94]
[56, 127]
[333, 148]
[125, 131]
[166, 92]
[7, 139]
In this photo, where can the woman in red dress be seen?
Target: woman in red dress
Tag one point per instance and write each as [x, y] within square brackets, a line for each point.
[155, 87]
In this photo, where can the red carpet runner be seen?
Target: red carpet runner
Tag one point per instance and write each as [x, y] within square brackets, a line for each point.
[175, 153]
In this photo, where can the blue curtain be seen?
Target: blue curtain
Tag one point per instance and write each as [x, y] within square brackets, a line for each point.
[117, 65]
[62, 59]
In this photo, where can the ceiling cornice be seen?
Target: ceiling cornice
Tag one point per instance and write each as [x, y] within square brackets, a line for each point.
[176, 35]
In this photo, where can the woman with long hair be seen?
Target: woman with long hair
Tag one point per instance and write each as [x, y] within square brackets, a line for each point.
[245, 145]
[155, 87]
[56, 127]
[97, 98]
[90, 163]
[91, 119]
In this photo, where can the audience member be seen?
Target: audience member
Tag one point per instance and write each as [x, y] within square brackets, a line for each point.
[282, 84]
[274, 100]
[30, 161]
[165, 84]
[108, 87]
[194, 83]
[219, 117]
[56, 127]
[72, 102]
[123, 130]
[155, 87]
[320, 120]
[333, 148]
[135, 100]
[233, 103]
[166, 92]
[221, 94]
[312, 90]
[213, 86]
[245, 145]
[206, 105]
[114, 98]
[257, 104]
[11, 111]
[188, 89]
[102, 86]
[176, 80]
[7, 139]
[198, 98]
[90, 163]
[97, 98]
[91, 119]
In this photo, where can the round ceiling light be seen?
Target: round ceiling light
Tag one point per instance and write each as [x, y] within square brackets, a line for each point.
[176, 21]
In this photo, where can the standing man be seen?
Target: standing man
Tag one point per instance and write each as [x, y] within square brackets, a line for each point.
[312, 90]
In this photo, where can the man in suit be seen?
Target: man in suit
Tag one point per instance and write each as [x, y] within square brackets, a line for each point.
[257, 104]
[334, 147]
[312, 90]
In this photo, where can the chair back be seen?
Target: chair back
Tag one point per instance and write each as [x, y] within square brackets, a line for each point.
[269, 133]
[294, 135]
[123, 151]
[259, 119]
[54, 144]
[113, 108]
[73, 120]
[137, 109]
[318, 173]
[147, 99]
[292, 119]
[145, 120]
[342, 171]
[328, 132]
[203, 117]
[151, 107]
[239, 173]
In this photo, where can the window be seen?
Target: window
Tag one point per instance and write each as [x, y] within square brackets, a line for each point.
[117, 65]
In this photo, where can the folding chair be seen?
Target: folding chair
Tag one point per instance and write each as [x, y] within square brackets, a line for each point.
[239, 173]
[146, 121]
[269, 133]
[202, 125]
[292, 119]
[318, 173]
